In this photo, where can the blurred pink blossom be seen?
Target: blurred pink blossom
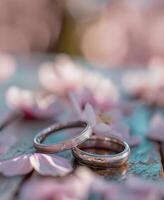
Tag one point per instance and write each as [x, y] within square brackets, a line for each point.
[28, 26]
[115, 129]
[104, 97]
[146, 84]
[33, 104]
[46, 165]
[7, 66]
[82, 182]
[124, 33]
[74, 187]
[156, 128]
[64, 76]
[133, 188]
[105, 42]
[61, 76]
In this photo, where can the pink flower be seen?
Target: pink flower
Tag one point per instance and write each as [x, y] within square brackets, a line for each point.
[64, 76]
[156, 128]
[61, 76]
[33, 104]
[7, 66]
[103, 96]
[39, 189]
[105, 42]
[150, 86]
[82, 182]
[115, 129]
[46, 165]
[74, 187]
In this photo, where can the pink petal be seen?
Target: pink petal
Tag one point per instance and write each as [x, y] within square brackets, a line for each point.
[49, 165]
[118, 130]
[37, 189]
[34, 105]
[87, 96]
[75, 105]
[143, 187]
[73, 187]
[158, 136]
[121, 128]
[16, 166]
[105, 130]
[156, 129]
[134, 140]
[79, 185]
[34, 112]
[89, 114]
[124, 130]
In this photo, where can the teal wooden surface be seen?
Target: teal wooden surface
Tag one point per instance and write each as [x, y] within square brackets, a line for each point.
[145, 160]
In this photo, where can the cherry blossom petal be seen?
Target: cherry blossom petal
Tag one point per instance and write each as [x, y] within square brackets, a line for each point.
[61, 76]
[150, 87]
[156, 128]
[75, 105]
[132, 189]
[37, 105]
[86, 96]
[124, 130]
[89, 114]
[101, 92]
[80, 184]
[49, 165]
[121, 128]
[38, 189]
[118, 130]
[134, 140]
[91, 87]
[16, 166]
[106, 130]
[73, 187]
[145, 188]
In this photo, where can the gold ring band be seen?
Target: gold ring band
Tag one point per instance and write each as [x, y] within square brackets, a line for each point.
[65, 145]
[118, 146]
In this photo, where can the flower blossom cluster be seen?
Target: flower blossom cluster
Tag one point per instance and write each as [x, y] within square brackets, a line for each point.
[147, 84]
[34, 105]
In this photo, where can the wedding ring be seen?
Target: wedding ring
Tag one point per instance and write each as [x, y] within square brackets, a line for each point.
[65, 145]
[119, 156]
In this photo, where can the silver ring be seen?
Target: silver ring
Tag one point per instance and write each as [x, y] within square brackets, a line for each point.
[61, 146]
[120, 148]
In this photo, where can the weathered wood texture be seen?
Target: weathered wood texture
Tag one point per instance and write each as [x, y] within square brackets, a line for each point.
[144, 160]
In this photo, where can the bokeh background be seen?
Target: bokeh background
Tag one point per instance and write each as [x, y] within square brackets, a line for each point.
[108, 33]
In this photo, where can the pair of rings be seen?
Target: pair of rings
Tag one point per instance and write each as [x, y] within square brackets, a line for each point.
[84, 141]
